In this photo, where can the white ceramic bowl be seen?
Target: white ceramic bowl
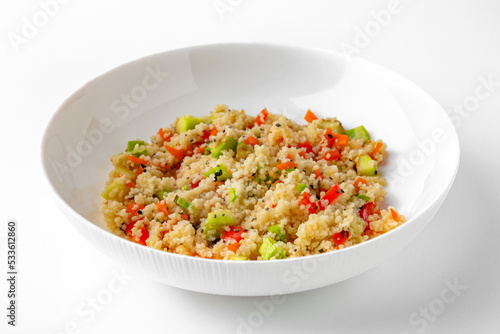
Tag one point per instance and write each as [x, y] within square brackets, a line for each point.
[136, 99]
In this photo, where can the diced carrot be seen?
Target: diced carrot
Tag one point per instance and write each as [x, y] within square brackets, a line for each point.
[233, 246]
[139, 170]
[133, 209]
[331, 155]
[185, 216]
[213, 131]
[286, 165]
[394, 214]
[195, 184]
[119, 175]
[336, 139]
[136, 160]
[310, 116]
[175, 152]
[130, 184]
[164, 135]
[162, 207]
[201, 149]
[302, 154]
[261, 118]
[318, 174]
[251, 140]
[358, 181]
[163, 165]
[376, 149]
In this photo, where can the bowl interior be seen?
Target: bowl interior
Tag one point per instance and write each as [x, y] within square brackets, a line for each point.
[136, 99]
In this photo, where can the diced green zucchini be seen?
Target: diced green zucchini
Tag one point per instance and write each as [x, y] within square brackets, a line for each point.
[127, 172]
[185, 187]
[184, 204]
[110, 189]
[131, 144]
[238, 258]
[300, 187]
[187, 122]
[218, 219]
[228, 143]
[162, 194]
[363, 197]
[281, 235]
[232, 195]
[268, 249]
[243, 150]
[221, 173]
[358, 133]
[336, 126]
[366, 166]
[288, 170]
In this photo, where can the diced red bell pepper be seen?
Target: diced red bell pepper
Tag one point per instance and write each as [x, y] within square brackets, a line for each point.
[233, 234]
[307, 146]
[332, 194]
[306, 201]
[340, 238]
[367, 210]
[331, 155]
[133, 209]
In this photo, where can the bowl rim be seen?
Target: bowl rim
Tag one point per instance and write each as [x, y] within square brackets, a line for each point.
[454, 141]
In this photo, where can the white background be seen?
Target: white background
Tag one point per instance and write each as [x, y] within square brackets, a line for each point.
[443, 46]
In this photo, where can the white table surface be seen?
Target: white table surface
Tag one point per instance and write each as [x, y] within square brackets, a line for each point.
[65, 285]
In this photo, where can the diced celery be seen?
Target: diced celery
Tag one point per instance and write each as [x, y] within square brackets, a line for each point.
[300, 187]
[228, 143]
[187, 122]
[184, 204]
[131, 144]
[366, 166]
[238, 258]
[162, 194]
[243, 150]
[111, 187]
[363, 197]
[207, 151]
[220, 171]
[218, 219]
[358, 133]
[288, 170]
[281, 235]
[232, 195]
